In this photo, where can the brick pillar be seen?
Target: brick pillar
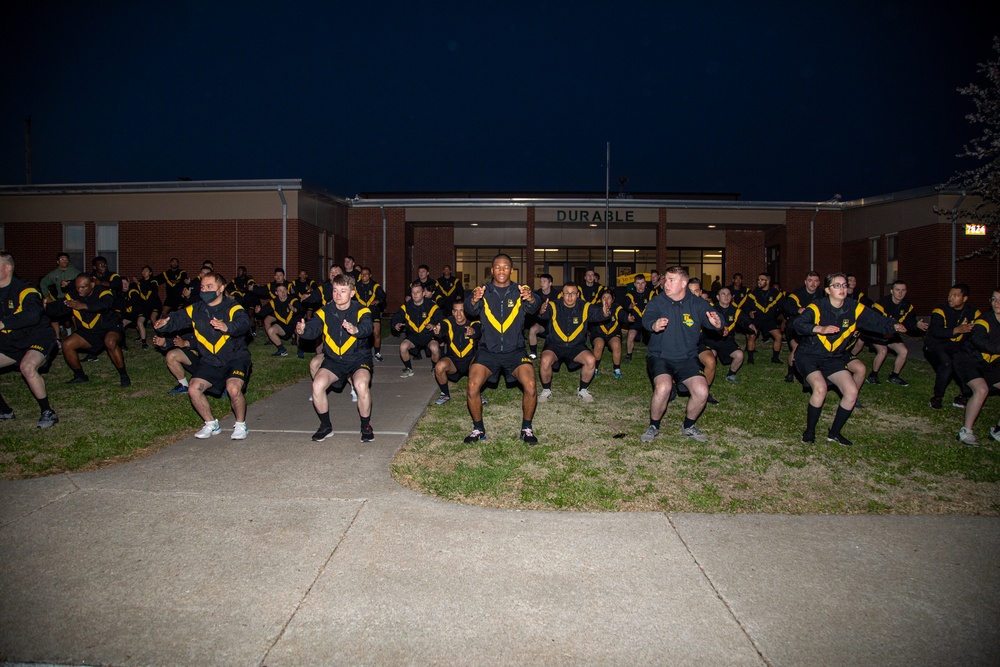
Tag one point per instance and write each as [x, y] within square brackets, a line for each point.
[529, 243]
[661, 240]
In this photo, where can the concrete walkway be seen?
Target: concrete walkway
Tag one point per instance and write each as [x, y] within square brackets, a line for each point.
[280, 551]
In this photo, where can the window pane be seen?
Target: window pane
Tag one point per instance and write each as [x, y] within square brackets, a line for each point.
[107, 244]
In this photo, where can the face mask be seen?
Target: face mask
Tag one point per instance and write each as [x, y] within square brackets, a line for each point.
[209, 297]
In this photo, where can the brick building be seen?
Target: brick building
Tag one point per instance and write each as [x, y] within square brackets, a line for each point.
[265, 224]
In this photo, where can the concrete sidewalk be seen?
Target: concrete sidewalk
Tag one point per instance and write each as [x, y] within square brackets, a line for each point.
[280, 551]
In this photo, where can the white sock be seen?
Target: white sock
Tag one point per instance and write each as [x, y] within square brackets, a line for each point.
[183, 382]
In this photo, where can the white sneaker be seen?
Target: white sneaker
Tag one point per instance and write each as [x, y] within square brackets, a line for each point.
[407, 373]
[208, 430]
[354, 396]
[545, 395]
[239, 431]
[585, 396]
[967, 437]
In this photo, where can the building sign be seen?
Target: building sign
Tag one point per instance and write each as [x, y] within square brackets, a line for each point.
[584, 215]
[975, 230]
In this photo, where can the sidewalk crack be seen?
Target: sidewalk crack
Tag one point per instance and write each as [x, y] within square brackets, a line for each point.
[718, 594]
[312, 584]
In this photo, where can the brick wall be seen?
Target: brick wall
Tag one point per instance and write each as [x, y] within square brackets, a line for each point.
[435, 247]
[827, 249]
[34, 247]
[364, 227]
[744, 254]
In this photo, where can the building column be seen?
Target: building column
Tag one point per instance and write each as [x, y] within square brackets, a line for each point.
[529, 244]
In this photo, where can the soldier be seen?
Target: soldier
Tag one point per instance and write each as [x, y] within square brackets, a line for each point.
[461, 341]
[566, 341]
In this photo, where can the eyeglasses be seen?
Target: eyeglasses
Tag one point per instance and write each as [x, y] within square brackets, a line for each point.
[994, 299]
[839, 285]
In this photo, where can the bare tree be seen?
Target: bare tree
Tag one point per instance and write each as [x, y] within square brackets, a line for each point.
[983, 180]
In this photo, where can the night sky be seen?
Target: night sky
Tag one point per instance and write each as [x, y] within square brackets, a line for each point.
[771, 100]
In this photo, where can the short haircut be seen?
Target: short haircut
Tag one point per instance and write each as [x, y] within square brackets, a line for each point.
[639, 276]
[505, 256]
[547, 276]
[7, 258]
[343, 279]
[767, 275]
[61, 255]
[570, 283]
[219, 278]
[679, 271]
[208, 262]
[830, 277]
[424, 267]
[348, 257]
[99, 258]
[897, 281]
[963, 287]
[812, 274]
[241, 268]
[694, 281]
[279, 270]
[416, 283]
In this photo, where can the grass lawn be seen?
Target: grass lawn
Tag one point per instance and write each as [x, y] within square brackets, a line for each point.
[100, 423]
[905, 459]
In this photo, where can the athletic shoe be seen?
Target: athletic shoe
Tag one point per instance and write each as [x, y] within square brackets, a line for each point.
[809, 436]
[528, 436]
[280, 352]
[628, 357]
[239, 432]
[585, 396]
[711, 400]
[789, 377]
[407, 373]
[323, 433]
[91, 357]
[48, 419]
[484, 399]
[367, 433]
[4, 416]
[145, 345]
[618, 374]
[125, 381]
[354, 396]
[995, 432]
[959, 402]
[895, 379]
[378, 357]
[858, 405]
[776, 360]
[967, 437]
[650, 434]
[873, 378]
[208, 430]
[179, 389]
[936, 402]
[839, 439]
[475, 436]
[597, 371]
[442, 399]
[79, 379]
[731, 377]
[545, 395]
[694, 433]
[532, 356]
[301, 354]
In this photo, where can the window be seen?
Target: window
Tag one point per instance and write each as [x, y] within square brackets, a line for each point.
[873, 263]
[74, 244]
[107, 243]
[892, 258]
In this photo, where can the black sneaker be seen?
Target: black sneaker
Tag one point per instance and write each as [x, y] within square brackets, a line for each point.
[959, 402]
[936, 402]
[528, 436]
[895, 379]
[48, 419]
[79, 379]
[789, 377]
[126, 381]
[711, 400]
[858, 405]
[323, 433]
[145, 345]
[809, 436]
[839, 439]
[873, 379]
[776, 360]
[367, 433]
[475, 436]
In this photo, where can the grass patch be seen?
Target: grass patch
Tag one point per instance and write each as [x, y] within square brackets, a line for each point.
[906, 459]
[100, 423]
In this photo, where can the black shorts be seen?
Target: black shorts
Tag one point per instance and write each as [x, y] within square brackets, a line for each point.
[420, 346]
[566, 355]
[506, 362]
[287, 330]
[825, 364]
[43, 340]
[95, 339]
[217, 376]
[765, 323]
[968, 367]
[679, 369]
[344, 369]
[724, 349]
[597, 333]
[461, 367]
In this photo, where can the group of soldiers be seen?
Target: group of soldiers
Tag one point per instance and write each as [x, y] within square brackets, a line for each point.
[204, 324]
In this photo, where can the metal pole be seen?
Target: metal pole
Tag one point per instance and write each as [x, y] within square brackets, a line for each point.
[284, 230]
[383, 246]
[812, 240]
[607, 215]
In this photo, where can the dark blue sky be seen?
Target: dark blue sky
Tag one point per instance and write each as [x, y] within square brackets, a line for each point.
[772, 100]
